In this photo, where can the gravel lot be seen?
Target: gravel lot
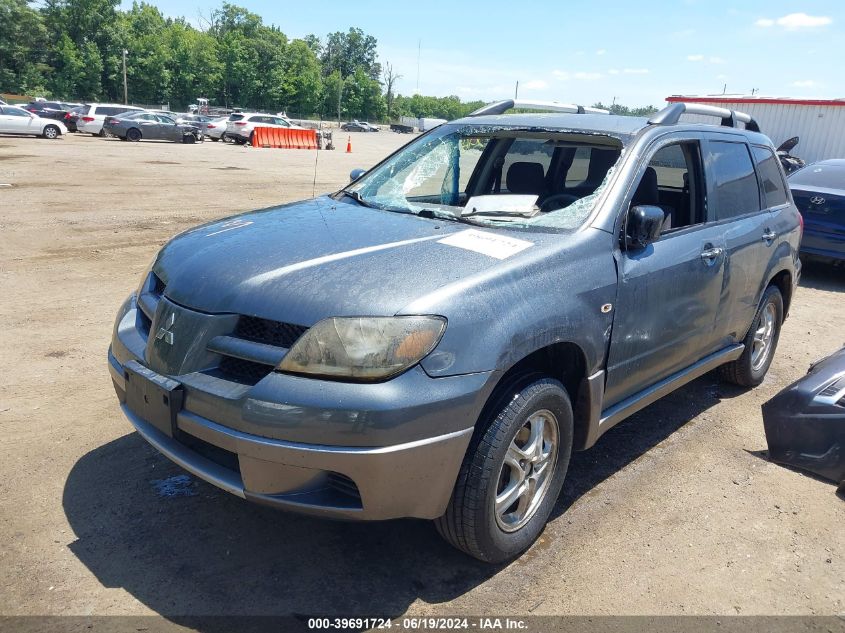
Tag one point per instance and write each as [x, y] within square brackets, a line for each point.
[675, 511]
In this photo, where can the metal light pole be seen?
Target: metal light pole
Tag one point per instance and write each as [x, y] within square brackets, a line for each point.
[125, 89]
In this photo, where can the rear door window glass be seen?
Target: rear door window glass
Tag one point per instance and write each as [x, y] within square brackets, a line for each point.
[734, 182]
[771, 180]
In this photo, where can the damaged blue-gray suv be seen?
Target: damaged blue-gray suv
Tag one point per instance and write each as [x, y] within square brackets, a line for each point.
[435, 339]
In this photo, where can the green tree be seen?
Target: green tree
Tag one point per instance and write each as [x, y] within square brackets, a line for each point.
[347, 52]
[23, 42]
[301, 83]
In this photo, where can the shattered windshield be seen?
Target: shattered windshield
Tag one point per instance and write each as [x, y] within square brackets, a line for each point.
[495, 176]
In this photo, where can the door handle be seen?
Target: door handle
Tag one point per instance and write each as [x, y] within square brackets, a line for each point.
[711, 253]
[769, 236]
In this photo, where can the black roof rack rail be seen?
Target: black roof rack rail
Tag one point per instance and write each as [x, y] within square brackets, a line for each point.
[500, 107]
[671, 114]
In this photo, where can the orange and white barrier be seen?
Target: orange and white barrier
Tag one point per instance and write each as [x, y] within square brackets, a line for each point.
[284, 138]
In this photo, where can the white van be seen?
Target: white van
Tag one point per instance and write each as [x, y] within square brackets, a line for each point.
[92, 116]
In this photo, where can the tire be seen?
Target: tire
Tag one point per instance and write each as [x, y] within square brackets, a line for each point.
[189, 139]
[223, 137]
[133, 134]
[51, 132]
[472, 523]
[251, 137]
[214, 139]
[749, 369]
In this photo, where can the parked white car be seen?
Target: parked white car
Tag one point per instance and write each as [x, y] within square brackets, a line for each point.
[14, 120]
[240, 125]
[93, 115]
[216, 128]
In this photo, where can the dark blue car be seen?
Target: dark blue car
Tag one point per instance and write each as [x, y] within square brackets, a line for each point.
[819, 194]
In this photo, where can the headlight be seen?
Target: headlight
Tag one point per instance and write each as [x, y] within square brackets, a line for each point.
[364, 348]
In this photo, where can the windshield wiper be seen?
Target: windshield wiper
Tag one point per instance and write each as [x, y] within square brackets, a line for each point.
[356, 196]
[501, 214]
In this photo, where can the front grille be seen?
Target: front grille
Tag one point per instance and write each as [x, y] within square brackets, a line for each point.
[158, 286]
[143, 323]
[269, 332]
[245, 372]
[344, 485]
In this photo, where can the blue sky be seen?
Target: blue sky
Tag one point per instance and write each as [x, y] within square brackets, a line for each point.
[586, 51]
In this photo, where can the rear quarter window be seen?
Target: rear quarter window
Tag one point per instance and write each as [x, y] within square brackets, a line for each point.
[733, 179]
[771, 180]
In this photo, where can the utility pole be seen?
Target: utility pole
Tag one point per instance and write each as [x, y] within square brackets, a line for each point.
[339, 92]
[419, 52]
[516, 90]
[125, 88]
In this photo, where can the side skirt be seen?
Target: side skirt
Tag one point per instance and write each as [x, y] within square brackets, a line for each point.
[600, 423]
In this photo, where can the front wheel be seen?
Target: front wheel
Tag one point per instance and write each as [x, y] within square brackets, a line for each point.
[51, 132]
[760, 343]
[513, 471]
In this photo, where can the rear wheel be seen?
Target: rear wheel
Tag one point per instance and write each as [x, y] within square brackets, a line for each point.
[51, 132]
[214, 138]
[760, 343]
[133, 134]
[513, 471]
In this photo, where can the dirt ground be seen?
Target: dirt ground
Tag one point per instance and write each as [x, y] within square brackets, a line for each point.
[675, 511]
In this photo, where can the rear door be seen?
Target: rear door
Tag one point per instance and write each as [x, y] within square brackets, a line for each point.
[668, 294]
[734, 197]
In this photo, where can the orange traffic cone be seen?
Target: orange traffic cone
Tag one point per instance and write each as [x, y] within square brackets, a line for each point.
[349, 145]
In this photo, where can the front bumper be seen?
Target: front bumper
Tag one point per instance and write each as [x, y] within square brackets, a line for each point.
[350, 451]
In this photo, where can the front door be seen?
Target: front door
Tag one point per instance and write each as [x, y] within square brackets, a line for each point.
[668, 294]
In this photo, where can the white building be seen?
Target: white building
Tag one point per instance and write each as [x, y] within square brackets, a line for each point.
[819, 123]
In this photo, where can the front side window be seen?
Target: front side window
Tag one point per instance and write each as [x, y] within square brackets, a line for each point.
[12, 111]
[490, 175]
[735, 190]
[672, 181]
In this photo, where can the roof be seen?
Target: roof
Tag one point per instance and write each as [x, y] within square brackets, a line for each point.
[736, 98]
[601, 123]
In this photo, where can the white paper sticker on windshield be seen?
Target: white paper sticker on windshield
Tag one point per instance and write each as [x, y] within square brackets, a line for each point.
[498, 246]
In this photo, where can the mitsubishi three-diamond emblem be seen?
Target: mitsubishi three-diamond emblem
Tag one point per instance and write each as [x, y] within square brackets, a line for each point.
[165, 333]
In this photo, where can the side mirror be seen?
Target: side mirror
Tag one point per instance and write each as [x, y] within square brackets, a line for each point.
[642, 226]
[355, 174]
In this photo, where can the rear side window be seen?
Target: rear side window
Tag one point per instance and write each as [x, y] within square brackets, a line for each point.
[771, 181]
[735, 190]
[236, 117]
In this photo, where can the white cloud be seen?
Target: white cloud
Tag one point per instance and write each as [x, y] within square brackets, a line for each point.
[804, 83]
[613, 71]
[564, 75]
[601, 51]
[795, 21]
[635, 71]
[535, 84]
[700, 58]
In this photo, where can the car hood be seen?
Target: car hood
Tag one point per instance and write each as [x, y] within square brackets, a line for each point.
[306, 261]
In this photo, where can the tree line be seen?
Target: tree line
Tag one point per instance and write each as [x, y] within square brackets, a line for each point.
[73, 50]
